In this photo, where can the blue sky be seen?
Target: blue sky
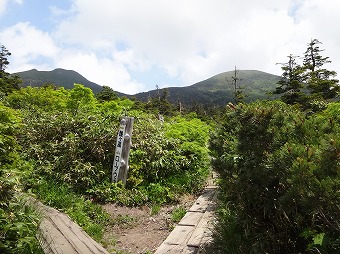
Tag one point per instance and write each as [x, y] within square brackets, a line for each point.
[133, 45]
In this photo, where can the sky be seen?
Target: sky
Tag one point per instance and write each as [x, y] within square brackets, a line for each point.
[135, 45]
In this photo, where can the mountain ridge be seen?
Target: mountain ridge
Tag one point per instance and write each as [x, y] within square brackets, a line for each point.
[58, 76]
[219, 89]
[216, 90]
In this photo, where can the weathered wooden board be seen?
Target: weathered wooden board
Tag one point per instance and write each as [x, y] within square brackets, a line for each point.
[195, 228]
[58, 234]
[175, 249]
[202, 233]
[180, 235]
[203, 201]
[191, 219]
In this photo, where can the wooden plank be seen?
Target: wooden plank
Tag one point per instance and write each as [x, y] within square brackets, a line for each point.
[52, 240]
[191, 219]
[203, 201]
[180, 235]
[58, 234]
[194, 230]
[175, 249]
[202, 233]
[75, 235]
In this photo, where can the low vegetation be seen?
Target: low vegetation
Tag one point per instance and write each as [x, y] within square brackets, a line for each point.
[66, 140]
[18, 221]
[279, 167]
[282, 196]
[278, 161]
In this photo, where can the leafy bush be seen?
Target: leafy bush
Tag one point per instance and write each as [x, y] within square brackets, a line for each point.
[18, 228]
[280, 176]
[43, 98]
[74, 143]
[84, 212]
[171, 153]
[18, 222]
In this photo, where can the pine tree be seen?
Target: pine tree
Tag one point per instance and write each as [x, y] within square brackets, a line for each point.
[4, 54]
[8, 82]
[291, 82]
[107, 94]
[320, 81]
[238, 94]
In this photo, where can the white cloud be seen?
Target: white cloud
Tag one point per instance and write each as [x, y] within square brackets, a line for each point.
[191, 39]
[110, 41]
[131, 59]
[103, 71]
[4, 5]
[27, 43]
[319, 20]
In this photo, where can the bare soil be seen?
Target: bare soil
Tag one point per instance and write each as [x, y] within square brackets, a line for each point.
[136, 230]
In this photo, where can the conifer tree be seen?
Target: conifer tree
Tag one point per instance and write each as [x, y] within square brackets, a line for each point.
[8, 82]
[291, 82]
[106, 94]
[4, 54]
[238, 94]
[320, 81]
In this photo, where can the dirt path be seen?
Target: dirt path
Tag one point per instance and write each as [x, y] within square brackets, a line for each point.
[137, 230]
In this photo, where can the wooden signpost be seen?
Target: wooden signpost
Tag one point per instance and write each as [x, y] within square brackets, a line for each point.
[121, 158]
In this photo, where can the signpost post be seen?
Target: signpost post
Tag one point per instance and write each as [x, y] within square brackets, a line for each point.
[123, 144]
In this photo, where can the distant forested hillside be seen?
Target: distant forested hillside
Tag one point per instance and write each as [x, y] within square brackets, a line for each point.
[219, 89]
[58, 77]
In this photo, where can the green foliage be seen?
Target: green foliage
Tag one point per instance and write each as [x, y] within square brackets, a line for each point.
[81, 98]
[159, 104]
[170, 154]
[18, 228]
[84, 212]
[18, 222]
[155, 208]
[8, 83]
[45, 98]
[310, 84]
[291, 82]
[69, 136]
[320, 81]
[280, 173]
[71, 149]
[9, 159]
[4, 54]
[178, 213]
[106, 94]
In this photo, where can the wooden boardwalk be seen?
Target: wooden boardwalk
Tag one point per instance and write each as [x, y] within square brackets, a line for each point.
[194, 230]
[59, 235]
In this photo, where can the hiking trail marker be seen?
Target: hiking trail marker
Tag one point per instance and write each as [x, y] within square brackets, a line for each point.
[123, 144]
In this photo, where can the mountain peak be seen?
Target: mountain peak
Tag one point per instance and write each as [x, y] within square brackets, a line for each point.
[58, 76]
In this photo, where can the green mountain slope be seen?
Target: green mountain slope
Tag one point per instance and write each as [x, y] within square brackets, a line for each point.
[219, 89]
[59, 77]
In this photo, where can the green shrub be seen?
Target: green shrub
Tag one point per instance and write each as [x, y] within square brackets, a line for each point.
[84, 212]
[18, 222]
[74, 143]
[18, 228]
[172, 154]
[280, 176]
[43, 98]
